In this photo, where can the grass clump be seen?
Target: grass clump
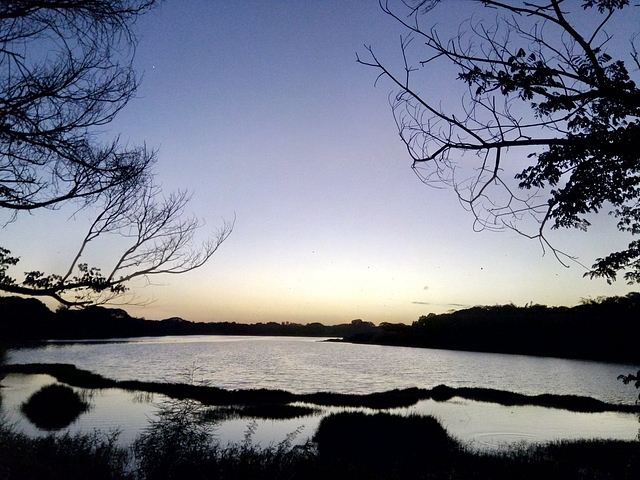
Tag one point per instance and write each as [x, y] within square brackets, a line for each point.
[54, 407]
[383, 445]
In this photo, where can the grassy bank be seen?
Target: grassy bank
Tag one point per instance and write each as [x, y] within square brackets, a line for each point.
[346, 446]
[208, 395]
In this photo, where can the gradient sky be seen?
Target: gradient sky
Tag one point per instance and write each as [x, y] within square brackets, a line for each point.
[260, 109]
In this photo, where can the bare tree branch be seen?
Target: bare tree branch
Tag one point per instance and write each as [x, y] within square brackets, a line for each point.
[65, 70]
[160, 240]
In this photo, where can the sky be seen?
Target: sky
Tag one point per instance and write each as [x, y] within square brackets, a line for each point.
[261, 111]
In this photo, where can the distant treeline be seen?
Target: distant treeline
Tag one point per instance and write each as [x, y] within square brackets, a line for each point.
[605, 329]
[28, 319]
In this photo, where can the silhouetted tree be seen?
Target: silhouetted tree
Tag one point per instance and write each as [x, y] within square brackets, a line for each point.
[631, 378]
[548, 125]
[65, 71]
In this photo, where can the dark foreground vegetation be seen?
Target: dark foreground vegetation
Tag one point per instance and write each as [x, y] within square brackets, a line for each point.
[346, 446]
[605, 329]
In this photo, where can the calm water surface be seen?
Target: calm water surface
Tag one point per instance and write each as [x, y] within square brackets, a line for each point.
[305, 365]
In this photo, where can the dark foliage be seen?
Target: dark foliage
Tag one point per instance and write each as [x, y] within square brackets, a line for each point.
[54, 407]
[546, 131]
[583, 460]
[589, 331]
[631, 378]
[98, 457]
[29, 319]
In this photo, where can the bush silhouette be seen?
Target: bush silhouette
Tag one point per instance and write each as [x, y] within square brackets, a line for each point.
[383, 442]
[54, 407]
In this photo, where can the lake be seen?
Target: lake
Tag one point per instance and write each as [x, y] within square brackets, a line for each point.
[307, 365]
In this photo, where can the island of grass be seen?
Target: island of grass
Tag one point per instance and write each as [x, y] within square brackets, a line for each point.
[209, 395]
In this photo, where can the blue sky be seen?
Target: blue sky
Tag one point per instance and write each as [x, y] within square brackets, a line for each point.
[261, 111]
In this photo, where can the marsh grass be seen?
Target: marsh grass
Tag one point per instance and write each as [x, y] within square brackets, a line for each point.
[62, 457]
[210, 395]
[181, 444]
[583, 460]
[381, 447]
[268, 411]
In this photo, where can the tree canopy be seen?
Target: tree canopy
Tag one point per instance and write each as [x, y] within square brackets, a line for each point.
[548, 129]
[65, 72]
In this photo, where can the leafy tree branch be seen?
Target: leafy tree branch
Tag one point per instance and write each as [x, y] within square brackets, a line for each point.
[547, 130]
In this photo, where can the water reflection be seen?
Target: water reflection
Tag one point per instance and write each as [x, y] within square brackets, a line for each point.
[491, 425]
[484, 425]
[307, 366]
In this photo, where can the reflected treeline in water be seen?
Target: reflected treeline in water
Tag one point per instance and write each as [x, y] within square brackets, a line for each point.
[54, 407]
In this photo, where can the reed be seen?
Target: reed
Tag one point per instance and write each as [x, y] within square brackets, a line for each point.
[62, 457]
[382, 447]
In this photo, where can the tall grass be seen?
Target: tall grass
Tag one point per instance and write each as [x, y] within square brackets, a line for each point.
[62, 457]
[181, 444]
[580, 460]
